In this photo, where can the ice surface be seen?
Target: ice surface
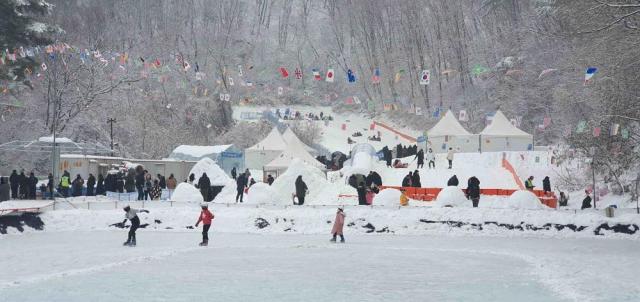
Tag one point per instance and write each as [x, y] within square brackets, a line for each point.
[168, 266]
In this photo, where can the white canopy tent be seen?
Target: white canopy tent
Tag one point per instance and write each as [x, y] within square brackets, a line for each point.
[448, 133]
[265, 151]
[282, 161]
[291, 138]
[502, 135]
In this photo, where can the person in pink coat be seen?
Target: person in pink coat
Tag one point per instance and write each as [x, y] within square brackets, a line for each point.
[338, 224]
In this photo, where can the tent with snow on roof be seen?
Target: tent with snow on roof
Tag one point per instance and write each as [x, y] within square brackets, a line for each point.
[502, 135]
[265, 151]
[448, 133]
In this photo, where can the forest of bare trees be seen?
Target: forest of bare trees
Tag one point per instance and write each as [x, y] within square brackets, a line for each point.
[526, 58]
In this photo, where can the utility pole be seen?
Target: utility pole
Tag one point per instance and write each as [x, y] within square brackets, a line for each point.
[111, 121]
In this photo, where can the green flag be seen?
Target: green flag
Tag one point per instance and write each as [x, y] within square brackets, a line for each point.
[625, 133]
[479, 69]
[582, 126]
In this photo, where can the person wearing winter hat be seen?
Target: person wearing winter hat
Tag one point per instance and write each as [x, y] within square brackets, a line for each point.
[338, 225]
[205, 217]
[132, 215]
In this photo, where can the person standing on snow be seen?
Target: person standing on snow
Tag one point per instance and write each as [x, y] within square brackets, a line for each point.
[431, 157]
[50, 185]
[205, 217]
[453, 181]
[406, 181]
[270, 179]
[450, 154]
[473, 190]
[362, 194]
[415, 179]
[100, 186]
[241, 183]
[172, 183]
[301, 190]
[132, 215]
[91, 183]
[234, 173]
[33, 183]
[338, 225]
[586, 202]
[140, 182]
[528, 184]
[78, 185]
[14, 181]
[162, 182]
[546, 185]
[420, 157]
[204, 184]
[65, 182]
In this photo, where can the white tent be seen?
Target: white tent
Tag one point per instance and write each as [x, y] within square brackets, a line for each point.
[291, 138]
[502, 135]
[265, 151]
[280, 164]
[448, 133]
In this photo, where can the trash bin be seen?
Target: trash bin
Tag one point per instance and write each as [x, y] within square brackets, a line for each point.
[609, 211]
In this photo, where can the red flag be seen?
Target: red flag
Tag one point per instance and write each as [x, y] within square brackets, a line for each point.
[284, 72]
[596, 131]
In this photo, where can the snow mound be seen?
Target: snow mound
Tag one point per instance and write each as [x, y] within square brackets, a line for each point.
[216, 175]
[320, 191]
[228, 193]
[524, 199]
[387, 197]
[187, 193]
[361, 163]
[261, 193]
[452, 196]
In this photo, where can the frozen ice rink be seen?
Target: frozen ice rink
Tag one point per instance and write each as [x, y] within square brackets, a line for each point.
[168, 266]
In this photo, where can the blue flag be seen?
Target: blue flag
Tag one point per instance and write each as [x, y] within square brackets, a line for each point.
[591, 71]
[351, 76]
[437, 112]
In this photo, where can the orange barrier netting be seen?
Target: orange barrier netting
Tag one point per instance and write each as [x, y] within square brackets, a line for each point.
[405, 136]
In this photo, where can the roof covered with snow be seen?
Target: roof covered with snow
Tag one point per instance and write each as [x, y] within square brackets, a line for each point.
[291, 138]
[501, 126]
[292, 152]
[273, 141]
[197, 151]
[448, 125]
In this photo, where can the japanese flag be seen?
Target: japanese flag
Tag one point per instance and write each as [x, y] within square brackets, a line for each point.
[425, 77]
[330, 75]
[462, 116]
[43, 66]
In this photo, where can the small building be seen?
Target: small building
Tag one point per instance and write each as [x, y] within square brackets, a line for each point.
[226, 156]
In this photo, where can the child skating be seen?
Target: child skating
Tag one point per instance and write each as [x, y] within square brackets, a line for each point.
[338, 224]
[132, 215]
[205, 217]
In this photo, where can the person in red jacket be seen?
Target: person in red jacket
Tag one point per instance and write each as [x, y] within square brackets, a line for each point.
[205, 217]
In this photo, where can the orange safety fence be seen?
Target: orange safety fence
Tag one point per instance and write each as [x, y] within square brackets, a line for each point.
[430, 194]
[507, 166]
[411, 139]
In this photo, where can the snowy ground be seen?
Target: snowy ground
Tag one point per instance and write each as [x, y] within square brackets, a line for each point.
[168, 266]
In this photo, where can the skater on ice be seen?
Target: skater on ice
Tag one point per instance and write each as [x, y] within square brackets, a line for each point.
[205, 217]
[338, 225]
[132, 215]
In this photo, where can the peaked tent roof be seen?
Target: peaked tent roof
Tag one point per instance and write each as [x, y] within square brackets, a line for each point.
[448, 125]
[273, 141]
[293, 151]
[501, 126]
[292, 138]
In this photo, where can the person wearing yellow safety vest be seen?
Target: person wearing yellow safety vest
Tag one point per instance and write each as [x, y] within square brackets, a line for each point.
[528, 184]
[65, 183]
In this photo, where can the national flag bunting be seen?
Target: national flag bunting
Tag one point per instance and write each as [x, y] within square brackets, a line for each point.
[591, 71]
[284, 72]
[425, 77]
[316, 75]
[298, 73]
[351, 77]
[376, 76]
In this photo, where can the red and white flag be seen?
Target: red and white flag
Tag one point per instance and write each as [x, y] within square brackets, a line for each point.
[330, 75]
[316, 75]
[284, 72]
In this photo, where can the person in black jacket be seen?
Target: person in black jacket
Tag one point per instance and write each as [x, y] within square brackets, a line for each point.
[415, 180]
[162, 182]
[387, 156]
[91, 184]
[50, 185]
[77, 186]
[234, 173]
[33, 186]
[546, 184]
[241, 183]
[14, 181]
[453, 181]
[420, 157]
[586, 202]
[204, 184]
[270, 179]
[24, 185]
[406, 181]
[473, 190]
[301, 190]
[362, 194]
[140, 183]
[100, 186]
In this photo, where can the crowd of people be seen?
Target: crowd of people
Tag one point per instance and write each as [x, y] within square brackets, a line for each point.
[288, 114]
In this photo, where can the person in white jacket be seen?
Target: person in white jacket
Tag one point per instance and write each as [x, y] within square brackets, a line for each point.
[450, 157]
[431, 158]
[132, 215]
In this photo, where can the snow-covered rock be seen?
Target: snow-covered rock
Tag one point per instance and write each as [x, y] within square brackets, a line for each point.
[452, 196]
[524, 199]
[387, 197]
[188, 193]
[216, 175]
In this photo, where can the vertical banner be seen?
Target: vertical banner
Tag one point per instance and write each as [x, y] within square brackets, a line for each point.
[330, 75]
[425, 77]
